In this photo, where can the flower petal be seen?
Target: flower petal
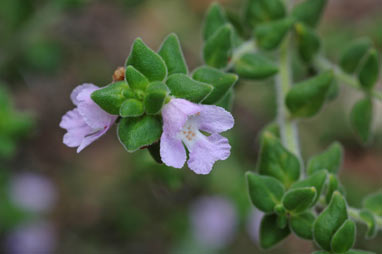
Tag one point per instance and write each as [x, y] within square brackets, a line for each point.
[205, 152]
[172, 151]
[72, 119]
[175, 114]
[77, 128]
[76, 91]
[92, 114]
[90, 139]
[214, 119]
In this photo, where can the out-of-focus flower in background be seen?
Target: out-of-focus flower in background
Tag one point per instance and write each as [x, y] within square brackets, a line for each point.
[214, 221]
[253, 224]
[33, 238]
[32, 192]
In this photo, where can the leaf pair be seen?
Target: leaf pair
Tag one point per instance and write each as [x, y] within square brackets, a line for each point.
[360, 58]
[332, 230]
[306, 98]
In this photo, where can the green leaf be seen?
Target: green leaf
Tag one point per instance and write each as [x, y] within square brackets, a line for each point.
[344, 238]
[138, 132]
[368, 218]
[156, 94]
[277, 161]
[308, 42]
[316, 180]
[272, 128]
[373, 203]
[145, 60]
[259, 11]
[265, 192]
[172, 54]
[333, 185]
[302, 224]
[270, 233]
[309, 11]
[331, 160]
[361, 118]
[269, 35]
[221, 81]
[255, 66]
[368, 75]
[131, 108]
[217, 50]
[353, 54]
[329, 221]
[215, 18]
[111, 97]
[306, 98]
[298, 200]
[135, 79]
[182, 86]
[227, 101]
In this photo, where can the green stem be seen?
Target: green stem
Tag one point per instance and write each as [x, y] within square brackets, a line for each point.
[354, 213]
[246, 47]
[350, 80]
[288, 127]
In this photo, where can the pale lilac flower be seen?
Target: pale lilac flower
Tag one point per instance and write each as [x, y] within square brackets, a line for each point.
[32, 238]
[87, 122]
[213, 221]
[183, 122]
[253, 224]
[32, 192]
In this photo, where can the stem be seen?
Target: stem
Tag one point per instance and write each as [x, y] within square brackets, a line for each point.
[288, 127]
[354, 213]
[345, 78]
[246, 47]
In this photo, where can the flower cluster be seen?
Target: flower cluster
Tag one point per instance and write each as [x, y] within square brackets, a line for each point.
[155, 99]
[183, 122]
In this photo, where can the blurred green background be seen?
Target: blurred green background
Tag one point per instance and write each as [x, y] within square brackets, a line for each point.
[106, 200]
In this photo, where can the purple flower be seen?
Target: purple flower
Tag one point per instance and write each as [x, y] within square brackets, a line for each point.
[87, 122]
[183, 122]
[33, 192]
[253, 225]
[35, 237]
[213, 221]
